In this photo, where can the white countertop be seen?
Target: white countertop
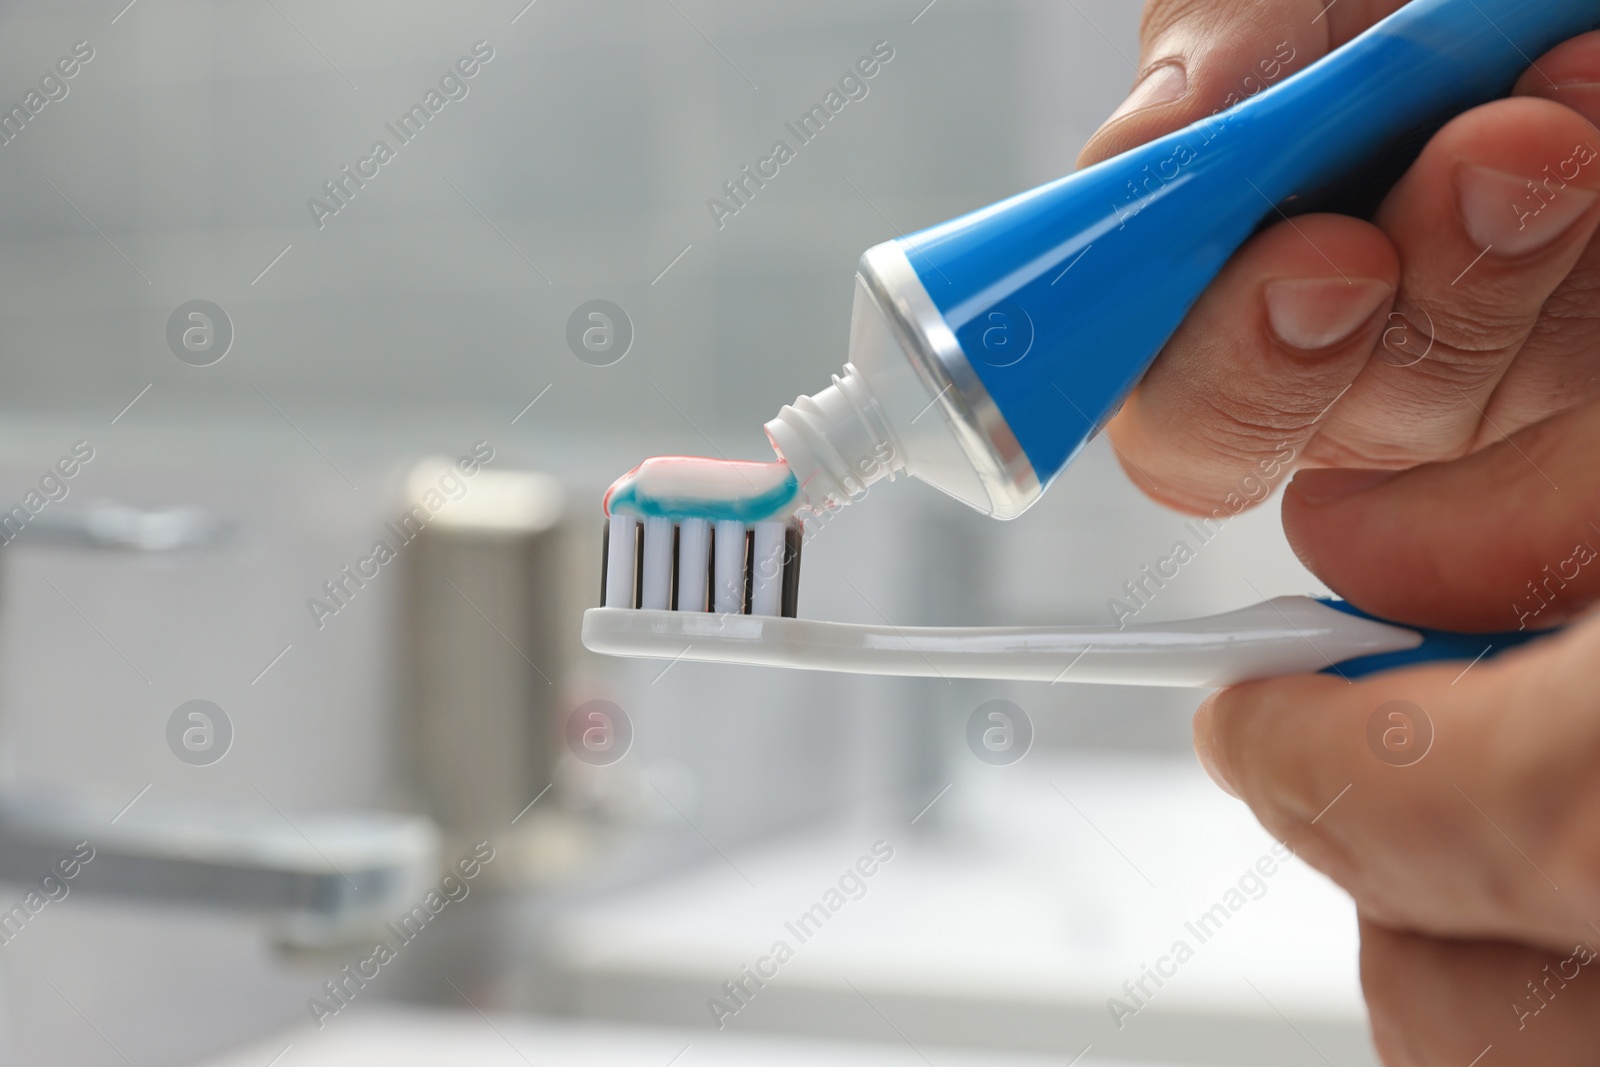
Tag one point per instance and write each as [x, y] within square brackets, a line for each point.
[1046, 887]
[390, 1037]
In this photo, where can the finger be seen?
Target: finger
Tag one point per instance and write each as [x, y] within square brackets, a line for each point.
[1239, 390]
[1506, 539]
[1486, 235]
[1559, 367]
[1455, 800]
[1199, 58]
[1436, 1001]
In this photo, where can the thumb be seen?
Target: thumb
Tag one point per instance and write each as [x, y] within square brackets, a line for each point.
[1507, 538]
[1198, 57]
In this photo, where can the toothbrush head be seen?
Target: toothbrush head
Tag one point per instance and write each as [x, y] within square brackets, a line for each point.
[702, 535]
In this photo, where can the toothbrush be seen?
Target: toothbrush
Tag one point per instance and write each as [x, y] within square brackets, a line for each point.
[1284, 636]
[985, 352]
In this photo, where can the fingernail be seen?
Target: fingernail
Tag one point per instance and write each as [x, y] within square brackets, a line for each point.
[1162, 84]
[1514, 215]
[1316, 313]
[1330, 486]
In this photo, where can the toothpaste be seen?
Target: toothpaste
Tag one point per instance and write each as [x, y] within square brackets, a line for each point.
[684, 487]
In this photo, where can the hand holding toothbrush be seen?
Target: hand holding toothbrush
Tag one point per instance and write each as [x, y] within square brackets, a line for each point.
[1463, 313]
[1460, 807]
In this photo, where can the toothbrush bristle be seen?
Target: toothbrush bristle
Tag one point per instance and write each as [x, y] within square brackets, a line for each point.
[694, 565]
[725, 566]
[793, 537]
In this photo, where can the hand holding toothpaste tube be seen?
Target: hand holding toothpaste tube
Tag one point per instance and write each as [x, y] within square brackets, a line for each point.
[1464, 311]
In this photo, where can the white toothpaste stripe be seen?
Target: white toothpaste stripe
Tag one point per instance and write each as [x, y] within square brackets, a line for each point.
[691, 482]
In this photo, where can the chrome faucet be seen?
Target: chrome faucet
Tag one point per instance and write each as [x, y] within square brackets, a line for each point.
[318, 880]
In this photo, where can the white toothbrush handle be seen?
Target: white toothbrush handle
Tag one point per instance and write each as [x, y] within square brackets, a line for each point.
[1289, 635]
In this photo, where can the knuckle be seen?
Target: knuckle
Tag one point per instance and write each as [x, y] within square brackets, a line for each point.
[1222, 453]
[1570, 319]
[1474, 339]
[1444, 386]
[1170, 493]
[1330, 449]
[1214, 465]
[1247, 426]
[1577, 298]
[1162, 16]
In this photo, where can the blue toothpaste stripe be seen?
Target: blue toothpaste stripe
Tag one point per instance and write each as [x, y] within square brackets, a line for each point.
[775, 503]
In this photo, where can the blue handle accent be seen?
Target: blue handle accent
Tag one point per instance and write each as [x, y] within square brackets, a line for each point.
[1437, 646]
[1062, 297]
